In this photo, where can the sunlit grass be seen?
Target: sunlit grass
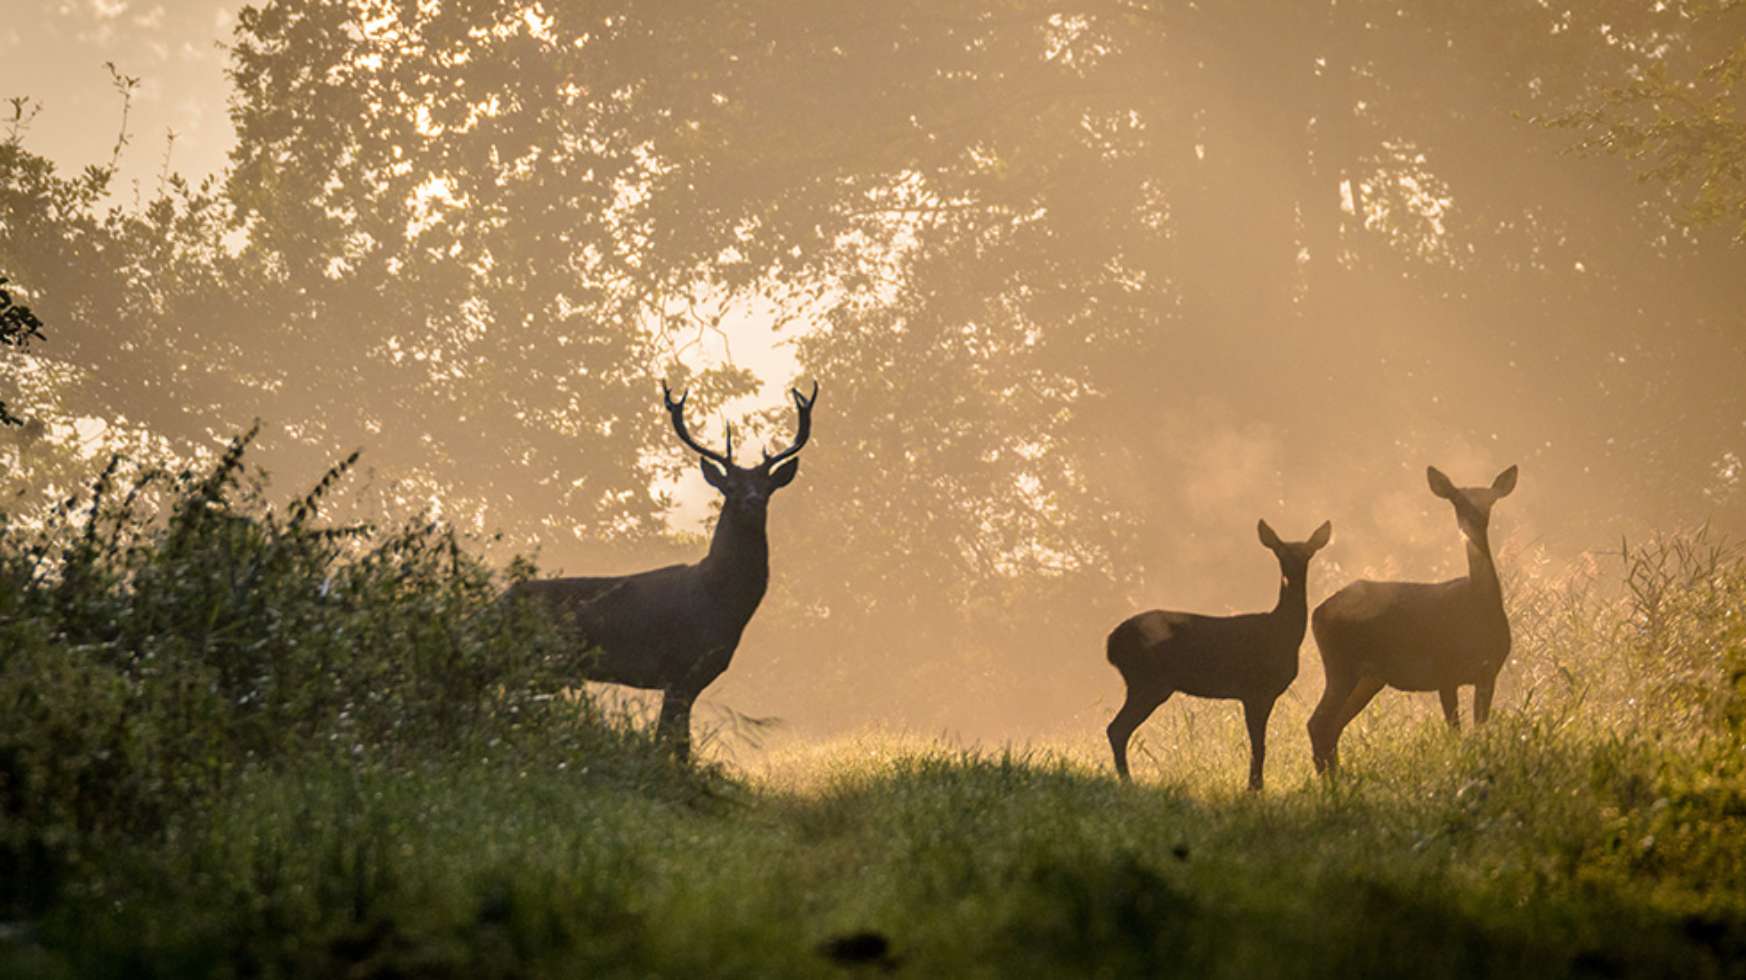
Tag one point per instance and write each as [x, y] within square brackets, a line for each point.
[1513, 849]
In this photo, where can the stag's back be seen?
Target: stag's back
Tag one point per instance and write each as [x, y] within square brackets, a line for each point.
[639, 628]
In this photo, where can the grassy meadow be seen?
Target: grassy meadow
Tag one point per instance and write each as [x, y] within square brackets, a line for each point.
[238, 742]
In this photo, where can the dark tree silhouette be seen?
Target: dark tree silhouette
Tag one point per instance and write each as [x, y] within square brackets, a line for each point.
[18, 327]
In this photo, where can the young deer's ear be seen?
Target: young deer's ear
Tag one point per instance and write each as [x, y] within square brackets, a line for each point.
[784, 475]
[1323, 535]
[714, 474]
[1505, 482]
[1268, 538]
[1440, 484]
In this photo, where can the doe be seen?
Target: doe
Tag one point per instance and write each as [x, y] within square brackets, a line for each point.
[1416, 636]
[1250, 658]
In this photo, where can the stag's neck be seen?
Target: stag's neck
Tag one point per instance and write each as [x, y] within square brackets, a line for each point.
[738, 563]
[1482, 573]
[1292, 610]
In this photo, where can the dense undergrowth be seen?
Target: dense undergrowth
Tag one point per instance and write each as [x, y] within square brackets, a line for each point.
[237, 741]
[153, 658]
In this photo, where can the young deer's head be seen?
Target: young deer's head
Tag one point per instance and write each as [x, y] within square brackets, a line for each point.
[747, 489]
[1472, 504]
[1294, 556]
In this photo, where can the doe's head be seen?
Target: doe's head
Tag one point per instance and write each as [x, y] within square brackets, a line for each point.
[1472, 504]
[1294, 556]
[747, 488]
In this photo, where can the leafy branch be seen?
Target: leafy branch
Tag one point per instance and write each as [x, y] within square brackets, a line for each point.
[18, 327]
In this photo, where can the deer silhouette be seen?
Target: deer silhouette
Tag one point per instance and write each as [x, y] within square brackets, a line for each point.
[1250, 658]
[675, 629]
[1416, 636]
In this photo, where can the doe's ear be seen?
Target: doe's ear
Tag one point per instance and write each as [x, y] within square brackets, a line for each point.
[714, 474]
[1268, 538]
[1440, 484]
[784, 475]
[1323, 535]
[1505, 482]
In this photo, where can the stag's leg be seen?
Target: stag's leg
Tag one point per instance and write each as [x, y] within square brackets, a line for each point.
[1482, 699]
[1135, 710]
[1324, 727]
[674, 728]
[1451, 698]
[1255, 714]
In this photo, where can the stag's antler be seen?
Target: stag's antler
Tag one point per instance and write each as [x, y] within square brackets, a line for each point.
[677, 410]
[804, 432]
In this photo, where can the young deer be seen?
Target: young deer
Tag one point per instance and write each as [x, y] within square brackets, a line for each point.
[1250, 658]
[1416, 636]
[674, 629]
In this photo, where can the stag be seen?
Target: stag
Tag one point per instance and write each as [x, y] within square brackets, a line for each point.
[674, 629]
[1416, 636]
[1250, 658]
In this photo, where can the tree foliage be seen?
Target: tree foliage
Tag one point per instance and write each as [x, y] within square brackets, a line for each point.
[18, 327]
[1089, 287]
[1677, 114]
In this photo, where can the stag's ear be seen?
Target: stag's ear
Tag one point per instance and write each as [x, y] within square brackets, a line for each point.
[1440, 484]
[1505, 482]
[1268, 538]
[784, 475]
[714, 474]
[1319, 540]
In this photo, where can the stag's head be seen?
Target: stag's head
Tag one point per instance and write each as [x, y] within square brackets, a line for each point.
[1294, 556]
[1472, 504]
[747, 488]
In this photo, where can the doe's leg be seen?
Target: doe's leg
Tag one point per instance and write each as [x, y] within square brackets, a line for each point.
[1482, 699]
[1255, 714]
[1324, 723]
[1356, 699]
[1451, 698]
[1134, 712]
[1362, 693]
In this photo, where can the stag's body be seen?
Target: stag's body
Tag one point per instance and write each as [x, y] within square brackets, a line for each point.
[1250, 658]
[706, 607]
[675, 629]
[1416, 636]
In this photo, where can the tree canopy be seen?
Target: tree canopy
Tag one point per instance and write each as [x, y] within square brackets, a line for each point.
[1089, 287]
[1677, 113]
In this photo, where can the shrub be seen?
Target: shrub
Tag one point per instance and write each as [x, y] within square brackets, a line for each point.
[148, 655]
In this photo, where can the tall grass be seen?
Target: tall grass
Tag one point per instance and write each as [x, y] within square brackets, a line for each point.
[241, 742]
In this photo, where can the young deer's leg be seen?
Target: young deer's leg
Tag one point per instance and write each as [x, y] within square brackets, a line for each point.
[674, 728]
[1482, 692]
[1451, 698]
[1255, 714]
[1135, 710]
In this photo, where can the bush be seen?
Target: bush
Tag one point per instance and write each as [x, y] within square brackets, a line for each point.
[148, 655]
